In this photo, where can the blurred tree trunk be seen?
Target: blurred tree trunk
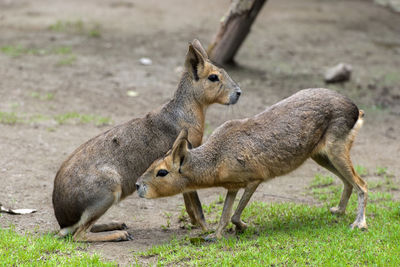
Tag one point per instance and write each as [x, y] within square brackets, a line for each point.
[235, 26]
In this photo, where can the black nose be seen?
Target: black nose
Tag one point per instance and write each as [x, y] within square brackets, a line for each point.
[137, 186]
[238, 93]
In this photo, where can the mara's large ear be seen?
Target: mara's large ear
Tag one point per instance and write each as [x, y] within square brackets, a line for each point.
[194, 63]
[196, 44]
[180, 148]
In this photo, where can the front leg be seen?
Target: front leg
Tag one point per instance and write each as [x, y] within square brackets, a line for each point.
[248, 192]
[226, 212]
[194, 209]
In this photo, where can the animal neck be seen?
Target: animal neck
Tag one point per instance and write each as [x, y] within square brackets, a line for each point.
[202, 167]
[187, 109]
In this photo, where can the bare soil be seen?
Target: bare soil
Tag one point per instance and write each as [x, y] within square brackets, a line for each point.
[289, 48]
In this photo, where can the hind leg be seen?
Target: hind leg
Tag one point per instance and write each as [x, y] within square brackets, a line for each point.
[110, 236]
[90, 216]
[324, 161]
[108, 227]
[248, 192]
[226, 212]
[339, 156]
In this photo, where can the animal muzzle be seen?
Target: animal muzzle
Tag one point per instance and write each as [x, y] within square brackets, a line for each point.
[141, 189]
[234, 97]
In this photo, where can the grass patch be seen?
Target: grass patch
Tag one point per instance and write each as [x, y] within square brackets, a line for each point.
[18, 50]
[45, 96]
[95, 33]
[168, 216]
[81, 118]
[290, 234]
[30, 250]
[62, 50]
[77, 27]
[9, 118]
[67, 60]
[15, 51]
[12, 118]
[63, 26]
[361, 170]
[321, 181]
[387, 183]
[381, 171]
[65, 52]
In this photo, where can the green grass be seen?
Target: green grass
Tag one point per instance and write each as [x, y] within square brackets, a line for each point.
[12, 118]
[94, 33]
[321, 181]
[386, 182]
[77, 27]
[18, 50]
[381, 171]
[67, 60]
[63, 26]
[82, 118]
[45, 96]
[9, 118]
[15, 51]
[361, 170]
[31, 250]
[64, 52]
[290, 234]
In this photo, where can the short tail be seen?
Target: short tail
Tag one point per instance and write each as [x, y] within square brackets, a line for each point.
[357, 126]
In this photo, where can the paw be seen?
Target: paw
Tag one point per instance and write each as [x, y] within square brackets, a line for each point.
[117, 226]
[211, 238]
[336, 210]
[240, 225]
[123, 226]
[359, 225]
[123, 236]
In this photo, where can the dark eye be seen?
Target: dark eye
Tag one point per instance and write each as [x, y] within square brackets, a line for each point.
[213, 78]
[162, 173]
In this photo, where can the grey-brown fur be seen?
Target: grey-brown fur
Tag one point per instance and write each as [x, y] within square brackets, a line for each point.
[104, 170]
[316, 123]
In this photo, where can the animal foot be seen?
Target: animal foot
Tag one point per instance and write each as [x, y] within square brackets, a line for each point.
[123, 236]
[359, 225]
[123, 226]
[240, 225]
[210, 238]
[336, 211]
[108, 227]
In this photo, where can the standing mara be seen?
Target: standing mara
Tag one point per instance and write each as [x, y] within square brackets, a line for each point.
[313, 123]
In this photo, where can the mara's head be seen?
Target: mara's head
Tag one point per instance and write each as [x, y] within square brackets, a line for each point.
[211, 84]
[167, 176]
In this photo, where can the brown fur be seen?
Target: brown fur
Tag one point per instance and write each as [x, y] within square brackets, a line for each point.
[104, 170]
[313, 123]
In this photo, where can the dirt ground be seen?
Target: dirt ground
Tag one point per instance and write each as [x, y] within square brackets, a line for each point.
[83, 56]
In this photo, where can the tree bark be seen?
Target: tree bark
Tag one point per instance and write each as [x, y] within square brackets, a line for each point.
[235, 26]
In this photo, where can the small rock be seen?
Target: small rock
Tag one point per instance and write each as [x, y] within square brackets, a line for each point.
[146, 61]
[339, 73]
[132, 93]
